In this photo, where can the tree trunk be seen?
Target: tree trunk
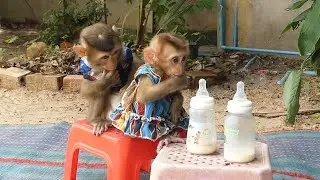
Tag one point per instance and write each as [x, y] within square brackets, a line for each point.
[105, 12]
[141, 26]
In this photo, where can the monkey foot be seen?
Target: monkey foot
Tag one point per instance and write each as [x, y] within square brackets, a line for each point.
[100, 127]
[167, 140]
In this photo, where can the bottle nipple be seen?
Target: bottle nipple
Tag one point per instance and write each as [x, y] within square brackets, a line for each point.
[202, 91]
[240, 94]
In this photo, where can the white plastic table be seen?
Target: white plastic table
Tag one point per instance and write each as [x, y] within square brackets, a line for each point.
[176, 163]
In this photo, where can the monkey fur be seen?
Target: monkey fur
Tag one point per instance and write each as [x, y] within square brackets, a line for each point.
[167, 55]
[103, 49]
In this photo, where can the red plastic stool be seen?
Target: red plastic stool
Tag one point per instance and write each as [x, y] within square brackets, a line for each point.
[125, 156]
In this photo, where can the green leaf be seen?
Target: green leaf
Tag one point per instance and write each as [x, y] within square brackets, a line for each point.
[184, 34]
[296, 5]
[292, 25]
[302, 16]
[287, 28]
[195, 34]
[315, 116]
[160, 2]
[11, 40]
[175, 29]
[315, 56]
[172, 11]
[205, 4]
[310, 33]
[296, 21]
[176, 11]
[291, 94]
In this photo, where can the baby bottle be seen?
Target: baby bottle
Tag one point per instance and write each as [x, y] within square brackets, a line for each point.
[201, 138]
[239, 132]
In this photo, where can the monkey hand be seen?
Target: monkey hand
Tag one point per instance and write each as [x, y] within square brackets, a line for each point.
[182, 81]
[123, 90]
[100, 126]
[176, 107]
[167, 140]
[111, 78]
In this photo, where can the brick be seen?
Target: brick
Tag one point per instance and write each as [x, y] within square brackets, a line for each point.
[13, 78]
[39, 82]
[72, 83]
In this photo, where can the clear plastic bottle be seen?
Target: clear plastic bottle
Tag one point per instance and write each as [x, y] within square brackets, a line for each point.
[201, 138]
[239, 128]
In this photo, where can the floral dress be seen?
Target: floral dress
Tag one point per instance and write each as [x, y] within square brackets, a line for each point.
[151, 120]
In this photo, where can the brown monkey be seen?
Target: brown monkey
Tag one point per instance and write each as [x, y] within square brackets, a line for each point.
[174, 54]
[105, 66]
[152, 105]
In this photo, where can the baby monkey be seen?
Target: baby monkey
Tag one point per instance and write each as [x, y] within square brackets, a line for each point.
[167, 54]
[151, 107]
[105, 68]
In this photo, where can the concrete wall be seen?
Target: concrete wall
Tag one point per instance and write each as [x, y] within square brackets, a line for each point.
[19, 10]
[261, 23]
[34, 9]
[203, 21]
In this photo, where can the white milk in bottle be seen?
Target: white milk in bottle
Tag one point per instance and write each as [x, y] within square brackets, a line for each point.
[201, 138]
[239, 128]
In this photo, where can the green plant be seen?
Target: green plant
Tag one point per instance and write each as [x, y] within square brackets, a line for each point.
[53, 26]
[65, 23]
[309, 46]
[11, 39]
[51, 51]
[169, 15]
[194, 37]
[315, 116]
[93, 12]
[3, 53]
[128, 38]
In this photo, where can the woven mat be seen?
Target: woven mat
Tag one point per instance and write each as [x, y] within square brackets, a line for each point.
[36, 152]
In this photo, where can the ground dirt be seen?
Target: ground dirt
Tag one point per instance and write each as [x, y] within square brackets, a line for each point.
[26, 107]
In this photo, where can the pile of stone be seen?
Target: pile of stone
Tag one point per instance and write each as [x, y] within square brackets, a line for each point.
[41, 59]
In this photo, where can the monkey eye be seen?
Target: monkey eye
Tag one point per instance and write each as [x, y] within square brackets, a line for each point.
[105, 57]
[184, 58]
[175, 60]
[116, 52]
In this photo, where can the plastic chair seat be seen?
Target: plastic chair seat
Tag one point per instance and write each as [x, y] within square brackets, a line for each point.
[125, 156]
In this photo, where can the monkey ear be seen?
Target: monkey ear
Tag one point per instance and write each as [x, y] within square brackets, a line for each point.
[116, 29]
[80, 50]
[149, 55]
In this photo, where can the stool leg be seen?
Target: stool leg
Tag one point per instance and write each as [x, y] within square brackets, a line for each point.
[146, 166]
[71, 164]
[124, 171]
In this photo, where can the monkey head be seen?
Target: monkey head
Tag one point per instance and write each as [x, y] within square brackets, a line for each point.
[102, 46]
[168, 53]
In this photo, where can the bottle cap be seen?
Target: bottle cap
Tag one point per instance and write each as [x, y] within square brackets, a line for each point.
[239, 104]
[202, 100]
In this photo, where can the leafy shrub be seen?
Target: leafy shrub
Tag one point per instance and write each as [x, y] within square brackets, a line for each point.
[169, 15]
[65, 23]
